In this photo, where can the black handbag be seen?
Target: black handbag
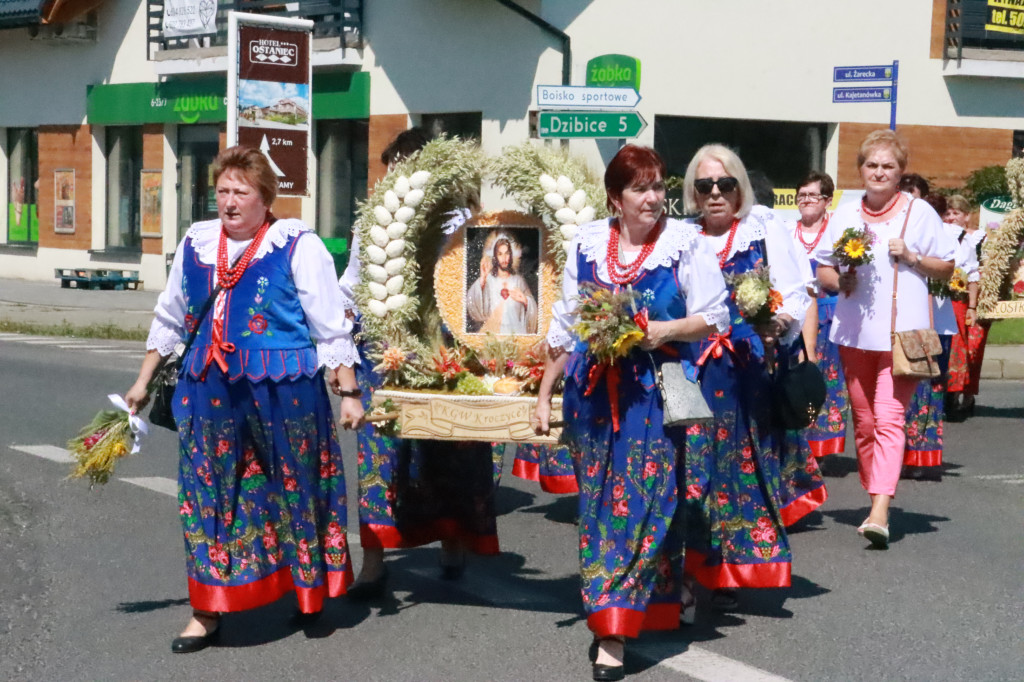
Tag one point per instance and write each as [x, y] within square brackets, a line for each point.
[165, 378]
[799, 392]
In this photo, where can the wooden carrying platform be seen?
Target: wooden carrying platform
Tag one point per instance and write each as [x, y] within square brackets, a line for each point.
[88, 278]
[444, 416]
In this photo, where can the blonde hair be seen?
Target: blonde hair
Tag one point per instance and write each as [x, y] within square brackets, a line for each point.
[733, 166]
[884, 138]
[959, 202]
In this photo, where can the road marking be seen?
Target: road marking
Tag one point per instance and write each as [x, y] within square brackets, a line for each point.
[999, 477]
[42, 342]
[167, 486]
[705, 665]
[50, 452]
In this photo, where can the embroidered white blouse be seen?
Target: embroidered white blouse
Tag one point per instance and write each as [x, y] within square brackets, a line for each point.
[863, 319]
[312, 270]
[699, 277]
[967, 260]
[790, 271]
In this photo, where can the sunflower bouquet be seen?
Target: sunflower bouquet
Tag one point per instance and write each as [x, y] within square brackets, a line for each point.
[607, 321]
[755, 298]
[954, 289]
[853, 248]
[110, 435]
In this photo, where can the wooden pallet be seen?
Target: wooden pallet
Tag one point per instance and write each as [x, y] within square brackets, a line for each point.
[90, 278]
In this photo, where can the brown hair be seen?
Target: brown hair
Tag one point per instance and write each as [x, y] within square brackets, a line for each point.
[883, 138]
[252, 165]
[632, 165]
[828, 187]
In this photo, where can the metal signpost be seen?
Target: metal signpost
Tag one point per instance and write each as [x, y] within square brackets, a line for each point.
[590, 124]
[862, 74]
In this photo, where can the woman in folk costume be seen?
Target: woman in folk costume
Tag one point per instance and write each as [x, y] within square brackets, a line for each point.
[827, 435]
[626, 459]
[925, 418]
[261, 481]
[737, 493]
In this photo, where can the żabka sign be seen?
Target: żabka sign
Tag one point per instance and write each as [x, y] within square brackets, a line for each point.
[614, 71]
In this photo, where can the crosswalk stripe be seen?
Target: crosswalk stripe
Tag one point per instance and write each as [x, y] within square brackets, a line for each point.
[705, 665]
[167, 486]
[50, 452]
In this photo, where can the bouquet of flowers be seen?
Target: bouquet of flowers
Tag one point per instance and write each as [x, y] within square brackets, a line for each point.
[752, 291]
[110, 435]
[853, 248]
[607, 321]
[954, 289]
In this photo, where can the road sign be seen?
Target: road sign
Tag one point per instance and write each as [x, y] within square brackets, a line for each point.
[577, 96]
[877, 94]
[590, 124]
[845, 74]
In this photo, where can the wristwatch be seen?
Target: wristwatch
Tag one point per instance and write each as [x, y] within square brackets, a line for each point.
[917, 260]
[354, 393]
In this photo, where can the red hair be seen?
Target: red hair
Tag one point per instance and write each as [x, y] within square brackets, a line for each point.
[632, 165]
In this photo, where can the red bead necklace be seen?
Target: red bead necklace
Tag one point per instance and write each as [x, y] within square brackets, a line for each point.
[821, 231]
[624, 274]
[888, 207]
[227, 277]
[723, 255]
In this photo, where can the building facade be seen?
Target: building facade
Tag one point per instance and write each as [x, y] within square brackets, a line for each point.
[108, 127]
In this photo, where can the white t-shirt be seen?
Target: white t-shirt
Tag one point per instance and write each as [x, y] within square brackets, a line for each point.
[863, 319]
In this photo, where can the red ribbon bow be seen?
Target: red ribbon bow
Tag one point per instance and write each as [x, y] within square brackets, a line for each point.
[216, 350]
[718, 342]
[613, 376]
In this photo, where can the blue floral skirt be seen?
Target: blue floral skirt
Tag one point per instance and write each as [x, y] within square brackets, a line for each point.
[261, 489]
[925, 417]
[827, 435]
[550, 466]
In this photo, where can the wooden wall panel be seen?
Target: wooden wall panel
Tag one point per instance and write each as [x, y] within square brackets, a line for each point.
[382, 130]
[944, 155]
[935, 46]
[153, 159]
[65, 147]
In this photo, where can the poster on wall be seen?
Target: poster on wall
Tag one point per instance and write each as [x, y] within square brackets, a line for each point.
[64, 200]
[189, 18]
[273, 106]
[149, 197]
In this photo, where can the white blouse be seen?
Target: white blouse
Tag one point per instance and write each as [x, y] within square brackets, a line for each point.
[789, 270]
[967, 260]
[863, 319]
[697, 270]
[312, 270]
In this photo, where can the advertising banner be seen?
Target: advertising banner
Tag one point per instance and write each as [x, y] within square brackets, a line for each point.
[1005, 16]
[184, 18]
[273, 100]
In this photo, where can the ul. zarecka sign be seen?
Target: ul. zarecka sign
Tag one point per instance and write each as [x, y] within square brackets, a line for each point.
[274, 100]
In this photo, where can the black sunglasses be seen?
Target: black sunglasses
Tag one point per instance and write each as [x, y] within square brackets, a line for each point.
[725, 184]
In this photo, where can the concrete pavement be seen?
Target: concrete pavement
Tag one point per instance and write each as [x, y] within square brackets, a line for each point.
[47, 303]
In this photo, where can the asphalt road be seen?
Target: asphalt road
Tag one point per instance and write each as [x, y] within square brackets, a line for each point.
[92, 582]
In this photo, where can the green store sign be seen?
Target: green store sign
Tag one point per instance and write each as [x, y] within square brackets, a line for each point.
[614, 71]
[335, 95]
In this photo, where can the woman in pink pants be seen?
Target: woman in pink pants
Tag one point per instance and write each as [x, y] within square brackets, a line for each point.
[862, 322]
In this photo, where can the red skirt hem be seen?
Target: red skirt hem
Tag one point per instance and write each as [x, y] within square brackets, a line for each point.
[528, 471]
[803, 505]
[378, 536]
[922, 458]
[557, 485]
[617, 621]
[737, 575]
[832, 446]
[228, 598]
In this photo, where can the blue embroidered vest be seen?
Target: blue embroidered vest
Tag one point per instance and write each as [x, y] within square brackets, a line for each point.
[263, 318]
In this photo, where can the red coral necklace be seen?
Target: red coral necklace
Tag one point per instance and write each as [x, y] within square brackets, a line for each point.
[723, 255]
[624, 274]
[821, 231]
[227, 277]
[886, 209]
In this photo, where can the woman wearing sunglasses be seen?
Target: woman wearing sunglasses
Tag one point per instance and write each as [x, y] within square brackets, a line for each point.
[735, 495]
[908, 235]
[630, 531]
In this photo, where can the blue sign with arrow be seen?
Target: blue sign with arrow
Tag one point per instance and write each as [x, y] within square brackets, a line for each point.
[878, 93]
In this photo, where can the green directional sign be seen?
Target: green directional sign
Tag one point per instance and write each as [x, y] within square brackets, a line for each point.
[613, 124]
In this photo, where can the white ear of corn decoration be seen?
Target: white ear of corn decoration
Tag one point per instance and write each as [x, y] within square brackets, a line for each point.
[554, 200]
[404, 214]
[585, 215]
[375, 254]
[395, 249]
[394, 266]
[382, 215]
[418, 180]
[569, 207]
[395, 284]
[578, 200]
[413, 198]
[378, 291]
[396, 230]
[566, 215]
[391, 201]
[402, 186]
[379, 236]
[377, 308]
[565, 186]
[396, 302]
[377, 273]
[548, 183]
[568, 231]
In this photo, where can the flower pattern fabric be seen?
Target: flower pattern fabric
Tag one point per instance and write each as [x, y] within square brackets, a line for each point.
[550, 466]
[827, 435]
[925, 415]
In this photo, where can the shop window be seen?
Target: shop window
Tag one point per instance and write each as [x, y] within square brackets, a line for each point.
[464, 125]
[1018, 144]
[783, 150]
[341, 154]
[198, 146]
[23, 185]
[124, 164]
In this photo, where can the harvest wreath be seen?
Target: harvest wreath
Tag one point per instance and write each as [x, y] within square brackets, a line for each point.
[418, 264]
[1001, 291]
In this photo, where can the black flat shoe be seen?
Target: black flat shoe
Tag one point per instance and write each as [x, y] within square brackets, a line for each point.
[609, 673]
[190, 645]
[592, 651]
[304, 620]
[370, 589]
